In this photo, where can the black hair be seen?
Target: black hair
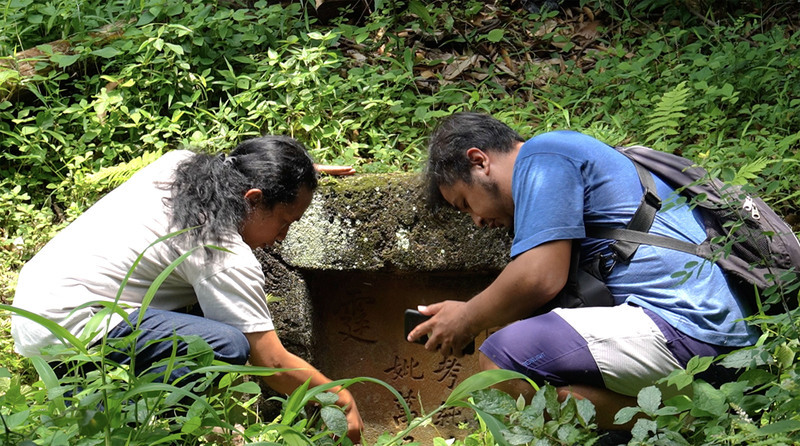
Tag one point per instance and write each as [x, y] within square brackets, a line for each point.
[208, 190]
[448, 145]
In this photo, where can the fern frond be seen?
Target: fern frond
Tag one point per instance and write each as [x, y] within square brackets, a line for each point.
[666, 118]
[115, 175]
[750, 171]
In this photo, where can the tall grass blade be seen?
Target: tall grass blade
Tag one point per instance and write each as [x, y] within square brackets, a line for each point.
[58, 331]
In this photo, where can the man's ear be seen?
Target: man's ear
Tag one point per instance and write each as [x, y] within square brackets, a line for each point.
[478, 158]
[253, 197]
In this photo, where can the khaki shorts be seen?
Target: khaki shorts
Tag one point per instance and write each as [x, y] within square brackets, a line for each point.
[629, 349]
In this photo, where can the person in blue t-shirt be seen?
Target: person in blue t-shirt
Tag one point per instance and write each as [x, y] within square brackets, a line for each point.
[546, 190]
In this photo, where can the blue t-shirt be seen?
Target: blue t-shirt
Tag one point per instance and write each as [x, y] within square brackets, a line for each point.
[564, 180]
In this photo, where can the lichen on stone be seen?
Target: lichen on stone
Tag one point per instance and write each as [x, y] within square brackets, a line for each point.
[379, 222]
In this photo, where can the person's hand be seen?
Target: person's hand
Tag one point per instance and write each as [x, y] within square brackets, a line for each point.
[448, 329]
[355, 426]
[334, 170]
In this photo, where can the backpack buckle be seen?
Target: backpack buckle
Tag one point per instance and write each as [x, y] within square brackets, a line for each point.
[606, 263]
[651, 198]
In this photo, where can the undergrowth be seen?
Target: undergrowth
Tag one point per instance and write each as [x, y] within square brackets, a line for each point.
[714, 81]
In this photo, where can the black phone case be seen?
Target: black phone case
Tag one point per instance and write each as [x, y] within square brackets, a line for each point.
[412, 319]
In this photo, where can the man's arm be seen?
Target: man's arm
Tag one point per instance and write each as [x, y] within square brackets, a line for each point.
[266, 350]
[529, 281]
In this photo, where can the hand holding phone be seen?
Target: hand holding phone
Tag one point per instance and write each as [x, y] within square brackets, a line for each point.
[413, 318]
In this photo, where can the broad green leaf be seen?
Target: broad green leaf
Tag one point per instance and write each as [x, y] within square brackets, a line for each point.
[586, 411]
[177, 49]
[626, 414]
[520, 403]
[106, 52]
[699, 364]
[681, 403]
[532, 417]
[568, 411]
[727, 90]
[649, 399]
[64, 60]
[495, 35]
[567, 433]
[643, 428]
[290, 436]
[494, 401]
[708, 399]
[741, 358]
[16, 419]
[335, 420]
[92, 422]
[551, 402]
[6, 75]
[309, 122]
[191, 425]
[45, 371]
[247, 387]
[327, 398]
[518, 435]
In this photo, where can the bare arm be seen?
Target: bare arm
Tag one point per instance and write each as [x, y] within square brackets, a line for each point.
[266, 350]
[529, 281]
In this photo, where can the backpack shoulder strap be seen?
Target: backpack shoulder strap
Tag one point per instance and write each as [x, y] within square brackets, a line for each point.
[643, 238]
[625, 247]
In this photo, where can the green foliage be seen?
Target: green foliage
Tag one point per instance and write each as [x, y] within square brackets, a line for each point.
[759, 408]
[715, 81]
[367, 94]
[546, 419]
[93, 400]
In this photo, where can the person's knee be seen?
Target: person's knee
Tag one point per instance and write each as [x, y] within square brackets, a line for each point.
[232, 347]
[485, 363]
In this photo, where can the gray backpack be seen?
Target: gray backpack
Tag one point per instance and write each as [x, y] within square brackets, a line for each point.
[757, 250]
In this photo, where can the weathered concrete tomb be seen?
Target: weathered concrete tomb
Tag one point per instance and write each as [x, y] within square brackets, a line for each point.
[366, 249]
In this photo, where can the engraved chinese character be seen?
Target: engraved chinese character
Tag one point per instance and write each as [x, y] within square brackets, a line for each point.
[354, 321]
[400, 416]
[450, 415]
[447, 372]
[405, 368]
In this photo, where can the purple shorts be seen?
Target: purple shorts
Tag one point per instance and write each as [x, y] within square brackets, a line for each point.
[554, 352]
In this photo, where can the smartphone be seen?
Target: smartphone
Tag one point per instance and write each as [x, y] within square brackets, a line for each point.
[413, 318]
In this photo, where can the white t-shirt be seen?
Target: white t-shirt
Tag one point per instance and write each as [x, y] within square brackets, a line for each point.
[89, 259]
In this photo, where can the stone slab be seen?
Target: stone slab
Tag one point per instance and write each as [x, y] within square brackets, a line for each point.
[367, 249]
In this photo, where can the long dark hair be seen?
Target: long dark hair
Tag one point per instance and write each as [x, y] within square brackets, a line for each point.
[448, 145]
[208, 190]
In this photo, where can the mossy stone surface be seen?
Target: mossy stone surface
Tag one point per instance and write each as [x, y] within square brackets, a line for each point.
[379, 222]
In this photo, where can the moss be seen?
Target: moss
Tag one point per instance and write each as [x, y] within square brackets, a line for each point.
[379, 222]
